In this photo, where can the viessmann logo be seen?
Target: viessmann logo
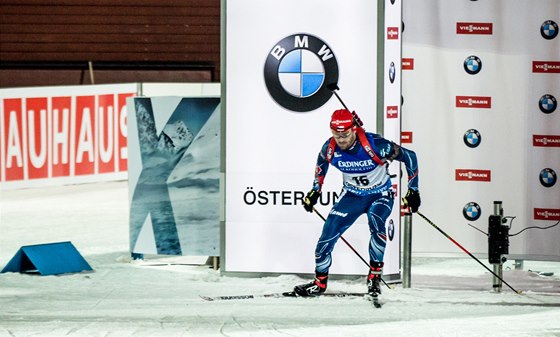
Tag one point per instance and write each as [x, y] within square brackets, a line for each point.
[546, 214]
[298, 70]
[482, 28]
[546, 66]
[473, 175]
[481, 102]
[546, 141]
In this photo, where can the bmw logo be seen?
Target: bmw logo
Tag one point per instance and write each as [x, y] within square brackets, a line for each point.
[472, 138]
[392, 72]
[548, 177]
[471, 211]
[549, 29]
[472, 65]
[548, 103]
[391, 230]
[298, 70]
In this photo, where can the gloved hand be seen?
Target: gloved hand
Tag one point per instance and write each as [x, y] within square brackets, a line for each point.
[412, 200]
[310, 200]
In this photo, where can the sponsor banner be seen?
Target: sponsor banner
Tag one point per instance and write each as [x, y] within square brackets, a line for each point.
[279, 86]
[478, 28]
[546, 67]
[546, 214]
[546, 141]
[68, 133]
[407, 63]
[512, 78]
[473, 175]
[392, 121]
[474, 102]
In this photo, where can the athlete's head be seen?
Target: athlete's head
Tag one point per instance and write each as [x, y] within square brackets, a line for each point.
[343, 128]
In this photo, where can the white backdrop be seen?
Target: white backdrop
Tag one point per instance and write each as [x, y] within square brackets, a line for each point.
[500, 104]
[271, 151]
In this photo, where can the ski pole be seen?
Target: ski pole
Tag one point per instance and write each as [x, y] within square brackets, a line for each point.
[349, 245]
[464, 250]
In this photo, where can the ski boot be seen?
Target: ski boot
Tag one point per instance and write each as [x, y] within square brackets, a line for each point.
[374, 277]
[314, 288]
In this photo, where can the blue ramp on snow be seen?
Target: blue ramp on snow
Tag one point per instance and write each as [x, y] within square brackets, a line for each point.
[47, 259]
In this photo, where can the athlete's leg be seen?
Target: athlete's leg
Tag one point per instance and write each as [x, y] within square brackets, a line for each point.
[377, 214]
[343, 214]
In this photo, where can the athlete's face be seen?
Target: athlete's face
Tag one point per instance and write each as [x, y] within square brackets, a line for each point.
[344, 139]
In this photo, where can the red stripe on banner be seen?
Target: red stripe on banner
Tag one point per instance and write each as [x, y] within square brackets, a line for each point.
[12, 143]
[546, 214]
[85, 132]
[392, 111]
[473, 175]
[122, 140]
[37, 142]
[60, 134]
[546, 141]
[407, 64]
[546, 67]
[406, 137]
[392, 33]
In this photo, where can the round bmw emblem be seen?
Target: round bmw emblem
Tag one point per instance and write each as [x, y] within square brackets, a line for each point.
[298, 71]
[548, 103]
[391, 230]
[548, 177]
[549, 29]
[472, 138]
[472, 65]
[471, 211]
[392, 72]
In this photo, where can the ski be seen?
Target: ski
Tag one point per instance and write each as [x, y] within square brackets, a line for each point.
[278, 295]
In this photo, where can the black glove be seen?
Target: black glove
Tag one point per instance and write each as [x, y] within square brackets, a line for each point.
[412, 200]
[310, 200]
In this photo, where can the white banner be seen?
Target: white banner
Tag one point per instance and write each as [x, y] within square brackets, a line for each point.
[273, 138]
[480, 85]
[392, 121]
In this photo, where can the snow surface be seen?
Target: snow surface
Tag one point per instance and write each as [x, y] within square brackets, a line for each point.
[450, 296]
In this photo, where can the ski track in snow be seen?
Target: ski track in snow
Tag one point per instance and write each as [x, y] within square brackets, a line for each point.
[160, 296]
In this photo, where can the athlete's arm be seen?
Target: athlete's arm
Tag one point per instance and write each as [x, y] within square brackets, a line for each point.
[391, 151]
[321, 167]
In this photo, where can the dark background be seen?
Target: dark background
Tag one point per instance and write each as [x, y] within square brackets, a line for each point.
[61, 42]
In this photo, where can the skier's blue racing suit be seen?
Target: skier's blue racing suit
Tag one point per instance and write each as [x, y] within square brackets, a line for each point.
[366, 189]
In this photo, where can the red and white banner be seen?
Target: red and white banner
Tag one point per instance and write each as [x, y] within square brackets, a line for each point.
[478, 99]
[69, 133]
